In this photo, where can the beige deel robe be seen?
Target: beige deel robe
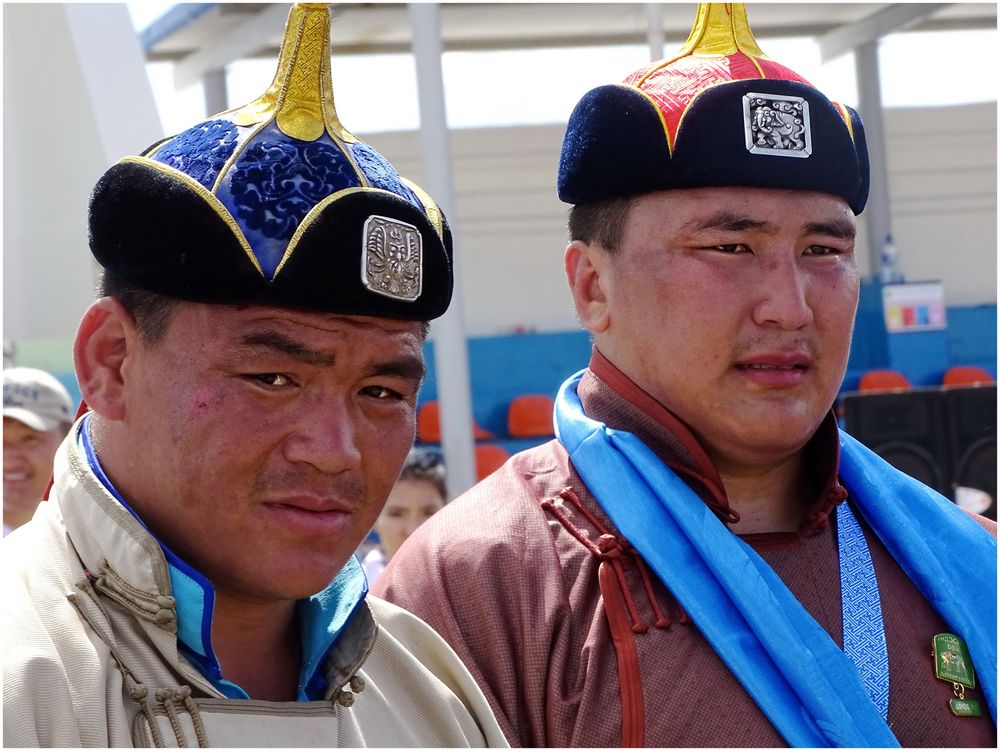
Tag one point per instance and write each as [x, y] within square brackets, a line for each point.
[91, 658]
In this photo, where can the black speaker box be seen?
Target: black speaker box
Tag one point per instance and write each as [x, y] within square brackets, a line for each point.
[972, 423]
[943, 437]
[909, 429]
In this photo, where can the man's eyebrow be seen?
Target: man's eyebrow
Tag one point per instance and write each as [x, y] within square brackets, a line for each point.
[278, 342]
[842, 229]
[411, 368]
[730, 221]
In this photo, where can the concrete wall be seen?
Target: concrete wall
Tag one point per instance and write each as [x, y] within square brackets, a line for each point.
[943, 186]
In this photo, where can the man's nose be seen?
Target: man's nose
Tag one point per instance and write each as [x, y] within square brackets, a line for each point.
[326, 437]
[783, 295]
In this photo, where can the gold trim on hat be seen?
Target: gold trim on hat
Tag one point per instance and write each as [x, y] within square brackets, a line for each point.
[845, 113]
[314, 212]
[300, 98]
[659, 114]
[207, 195]
[237, 153]
[430, 206]
[720, 30]
[691, 102]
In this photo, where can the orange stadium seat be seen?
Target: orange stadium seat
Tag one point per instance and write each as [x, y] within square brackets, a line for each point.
[429, 425]
[883, 380]
[530, 416]
[966, 375]
[489, 458]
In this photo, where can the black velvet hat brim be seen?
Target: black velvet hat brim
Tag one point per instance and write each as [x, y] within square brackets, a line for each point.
[164, 233]
[616, 145]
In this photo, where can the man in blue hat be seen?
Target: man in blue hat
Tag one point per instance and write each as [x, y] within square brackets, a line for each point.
[701, 558]
[251, 370]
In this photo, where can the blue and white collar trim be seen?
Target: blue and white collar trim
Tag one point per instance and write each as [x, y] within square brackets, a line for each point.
[322, 617]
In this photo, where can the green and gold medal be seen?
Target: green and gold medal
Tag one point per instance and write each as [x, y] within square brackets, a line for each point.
[953, 664]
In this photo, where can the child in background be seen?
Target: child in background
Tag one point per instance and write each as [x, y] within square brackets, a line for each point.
[419, 493]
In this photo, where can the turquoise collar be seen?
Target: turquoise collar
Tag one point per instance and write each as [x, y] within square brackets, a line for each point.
[322, 617]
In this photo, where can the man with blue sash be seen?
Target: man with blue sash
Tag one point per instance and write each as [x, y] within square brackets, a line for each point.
[701, 557]
[251, 371]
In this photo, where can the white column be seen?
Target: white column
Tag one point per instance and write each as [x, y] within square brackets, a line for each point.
[216, 94]
[450, 351]
[877, 212]
[654, 12]
[76, 99]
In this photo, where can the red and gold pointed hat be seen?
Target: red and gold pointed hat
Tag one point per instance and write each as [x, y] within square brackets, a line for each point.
[718, 113]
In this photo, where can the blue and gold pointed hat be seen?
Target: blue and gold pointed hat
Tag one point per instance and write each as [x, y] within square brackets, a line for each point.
[719, 113]
[276, 203]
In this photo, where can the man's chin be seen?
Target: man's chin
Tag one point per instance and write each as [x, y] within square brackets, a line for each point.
[765, 441]
[302, 578]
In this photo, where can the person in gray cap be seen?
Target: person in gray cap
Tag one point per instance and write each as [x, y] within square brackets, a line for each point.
[701, 558]
[251, 370]
[37, 413]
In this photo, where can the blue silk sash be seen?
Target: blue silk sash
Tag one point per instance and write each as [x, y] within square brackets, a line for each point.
[798, 676]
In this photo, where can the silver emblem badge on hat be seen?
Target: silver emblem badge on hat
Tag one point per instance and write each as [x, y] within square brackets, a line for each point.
[777, 125]
[392, 258]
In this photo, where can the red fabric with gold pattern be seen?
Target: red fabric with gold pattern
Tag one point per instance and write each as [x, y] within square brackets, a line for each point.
[674, 86]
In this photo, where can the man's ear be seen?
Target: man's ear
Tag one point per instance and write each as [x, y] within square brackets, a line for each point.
[104, 340]
[585, 263]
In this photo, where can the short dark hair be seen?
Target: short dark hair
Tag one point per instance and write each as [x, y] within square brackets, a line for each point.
[427, 465]
[150, 310]
[601, 222]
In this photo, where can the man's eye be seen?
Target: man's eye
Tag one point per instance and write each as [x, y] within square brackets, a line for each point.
[821, 250]
[732, 248]
[381, 392]
[272, 379]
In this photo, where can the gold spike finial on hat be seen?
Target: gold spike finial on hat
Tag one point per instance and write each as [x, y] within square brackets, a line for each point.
[721, 29]
[300, 97]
